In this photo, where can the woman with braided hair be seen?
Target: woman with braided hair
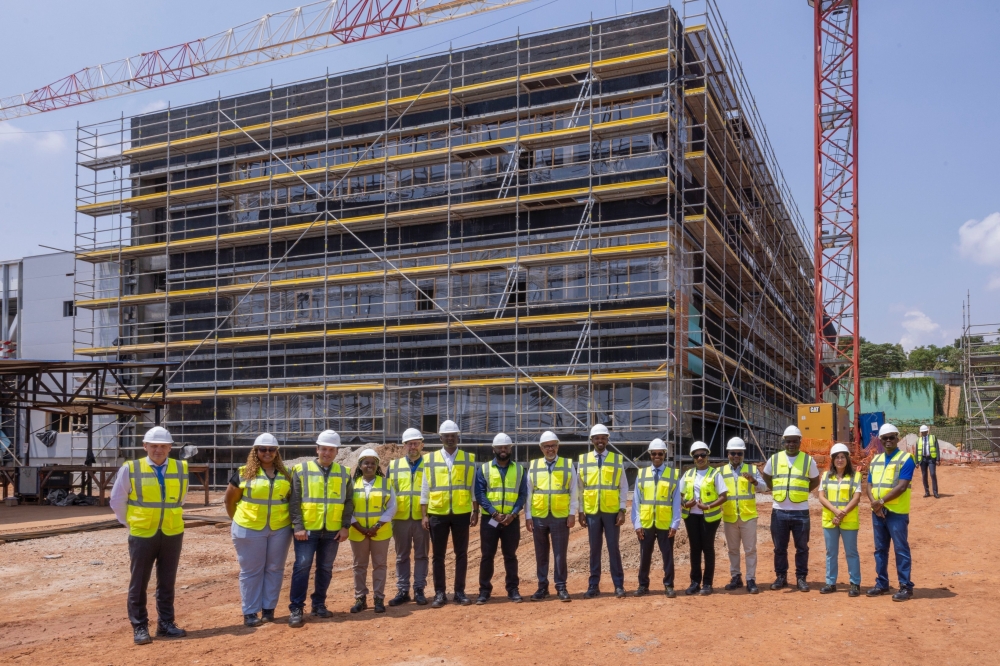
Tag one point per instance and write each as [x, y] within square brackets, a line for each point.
[257, 501]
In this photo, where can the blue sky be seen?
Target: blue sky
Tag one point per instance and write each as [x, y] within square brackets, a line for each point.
[930, 130]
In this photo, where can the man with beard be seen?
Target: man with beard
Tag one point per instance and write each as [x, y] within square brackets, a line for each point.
[501, 491]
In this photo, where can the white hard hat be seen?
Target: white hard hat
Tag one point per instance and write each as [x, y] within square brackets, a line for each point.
[157, 435]
[367, 453]
[265, 439]
[411, 434]
[502, 439]
[448, 427]
[328, 438]
[548, 436]
[887, 429]
[736, 444]
[657, 445]
[839, 448]
[599, 429]
[924, 428]
[792, 431]
[699, 446]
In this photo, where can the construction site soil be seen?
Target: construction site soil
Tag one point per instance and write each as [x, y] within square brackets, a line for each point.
[71, 609]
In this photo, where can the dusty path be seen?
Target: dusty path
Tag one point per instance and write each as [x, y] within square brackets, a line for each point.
[72, 610]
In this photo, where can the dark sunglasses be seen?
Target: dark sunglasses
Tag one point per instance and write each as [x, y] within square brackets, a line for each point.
[885, 437]
[700, 455]
[267, 449]
[736, 453]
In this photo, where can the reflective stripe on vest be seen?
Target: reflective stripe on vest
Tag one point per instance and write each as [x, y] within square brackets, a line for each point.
[264, 503]
[150, 510]
[498, 489]
[741, 502]
[884, 478]
[656, 507]
[450, 491]
[839, 493]
[708, 492]
[932, 447]
[551, 491]
[601, 483]
[323, 495]
[407, 485]
[790, 479]
[369, 508]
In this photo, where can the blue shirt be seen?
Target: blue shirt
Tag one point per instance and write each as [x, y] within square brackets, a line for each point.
[905, 472]
[481, 487]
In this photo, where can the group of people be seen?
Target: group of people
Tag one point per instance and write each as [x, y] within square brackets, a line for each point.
[423, 500]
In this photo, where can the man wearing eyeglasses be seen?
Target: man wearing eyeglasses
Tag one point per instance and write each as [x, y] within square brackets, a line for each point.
[739, 514]
[889, 477]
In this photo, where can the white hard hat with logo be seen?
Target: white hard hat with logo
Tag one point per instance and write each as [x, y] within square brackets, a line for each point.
[367, 453]
[265, 439]
[699, 446]
[736, 444]
[548, 436]
[411, 434]
[887, 429]
[502, 439]
[328, 438]
[839, 448]
[657, 445]
[599, 429]
[792, 431]
[448, 427]
[157, 435]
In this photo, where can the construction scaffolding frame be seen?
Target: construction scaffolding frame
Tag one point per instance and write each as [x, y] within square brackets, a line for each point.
[981, 377]
[518, 236]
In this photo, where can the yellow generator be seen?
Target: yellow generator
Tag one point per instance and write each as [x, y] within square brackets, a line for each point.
[824, 421]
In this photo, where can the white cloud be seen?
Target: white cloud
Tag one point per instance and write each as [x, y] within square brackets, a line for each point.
[979, 240]
[994, 283]
[919, 329]
[43, 141]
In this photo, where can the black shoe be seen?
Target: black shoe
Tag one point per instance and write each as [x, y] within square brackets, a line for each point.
[267, 615]
[540, 593]
[669, 591]
[752, 586]
[877, 592]
[705, 590]
[926, 494]
[379, 605]
[905, 594]
[401, 598]
[828, 589]
[295, 618]
[779, 583]
[462, 600]
[169, 630]
[482, 599]
[735, 583]
[515, 596]
[251, 620]
[321, 611]
[801, 584]
[563, 595]
[936, 496]
[418, 596]
[360, 604]
[620, 592]
[140, 635]
[855, 591]
[692, 589]
[592, 593]
[439, 600]
[641, 591]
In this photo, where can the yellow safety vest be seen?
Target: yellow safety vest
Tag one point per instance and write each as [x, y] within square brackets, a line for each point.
[368, 509]
[742, 499]
[149, 510]
[601, 483]
[884, 478]
[932, 448]
[657, 505]
[263, 502]
[450, 493]
[790, 479]
[551, 491]
[839, 492]
[323, 495]
[499, 490]
[407, 485]
[708, 492]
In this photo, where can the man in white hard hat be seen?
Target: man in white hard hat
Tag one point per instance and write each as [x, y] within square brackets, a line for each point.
[321, 507]
[501, 491]
[148, 498]
[605, 493]
[791, 475]
[739, 514]
[927, 457]
[449, 508]
[656, 516]
[889, 478]
[550, 513]
[406, 475]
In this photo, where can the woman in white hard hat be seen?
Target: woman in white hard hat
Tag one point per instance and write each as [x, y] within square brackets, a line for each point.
[374, 507]
[840, 494]
[257, 501]
[703, 492]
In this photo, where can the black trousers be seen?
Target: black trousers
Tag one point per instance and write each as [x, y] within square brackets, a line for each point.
[932, 464]
[507, 537]
[652, 537]
[458, 527]
[165, 552]
[794, 525]
[598, 525]
[555, 529]
[701, 536]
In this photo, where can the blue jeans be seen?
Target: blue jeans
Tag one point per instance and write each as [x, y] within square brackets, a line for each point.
[832, 536]
[893, 528]
[794, 525]
[323, 546]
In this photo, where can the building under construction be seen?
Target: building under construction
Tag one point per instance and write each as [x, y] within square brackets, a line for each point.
[580, 226]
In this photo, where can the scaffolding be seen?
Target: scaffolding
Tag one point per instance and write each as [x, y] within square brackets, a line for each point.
[981, 376]
[573, 227]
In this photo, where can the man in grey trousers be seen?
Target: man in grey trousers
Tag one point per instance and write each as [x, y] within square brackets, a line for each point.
[406, 475]
[550, 512]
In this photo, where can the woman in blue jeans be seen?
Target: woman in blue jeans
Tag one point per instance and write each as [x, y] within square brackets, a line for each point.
[840, 494]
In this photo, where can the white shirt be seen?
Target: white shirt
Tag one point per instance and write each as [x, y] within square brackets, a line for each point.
[787, 504]
[574, 492]
[622, 483]
[121, 489]
[637, 501]
[925, 438]
[425, 489]
[699, 481]
[390, 508]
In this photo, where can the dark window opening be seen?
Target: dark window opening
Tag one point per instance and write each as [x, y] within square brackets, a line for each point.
[429, 423]
[69, 310]
[425, 297]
